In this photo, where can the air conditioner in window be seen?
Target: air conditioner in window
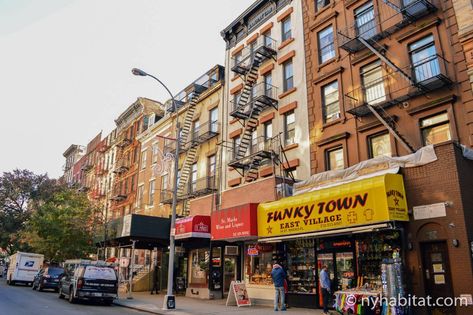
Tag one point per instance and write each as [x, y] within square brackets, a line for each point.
[231, 250]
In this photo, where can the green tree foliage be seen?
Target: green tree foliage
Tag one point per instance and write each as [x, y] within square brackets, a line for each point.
[21, 191]
[63, 226]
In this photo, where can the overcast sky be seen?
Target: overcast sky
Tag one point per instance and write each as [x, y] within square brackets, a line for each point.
[65, 66]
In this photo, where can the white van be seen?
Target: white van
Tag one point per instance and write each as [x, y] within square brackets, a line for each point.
[23, 267]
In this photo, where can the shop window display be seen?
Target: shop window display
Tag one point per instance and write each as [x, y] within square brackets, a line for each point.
[301, 266]
[259, 262]
[200, 266]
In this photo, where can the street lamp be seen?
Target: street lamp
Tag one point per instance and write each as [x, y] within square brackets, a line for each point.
[169, 299]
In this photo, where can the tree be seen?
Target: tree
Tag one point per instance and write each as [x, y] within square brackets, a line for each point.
[21, 191]
[62, 227]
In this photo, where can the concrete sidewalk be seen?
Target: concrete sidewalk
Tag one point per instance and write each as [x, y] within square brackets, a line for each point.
[143, 301]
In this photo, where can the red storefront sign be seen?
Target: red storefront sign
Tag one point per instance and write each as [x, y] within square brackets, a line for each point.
[195, 226]
[235, 223]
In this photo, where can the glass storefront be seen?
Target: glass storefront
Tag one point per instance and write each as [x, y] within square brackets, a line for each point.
[301, 271]
[199, 271]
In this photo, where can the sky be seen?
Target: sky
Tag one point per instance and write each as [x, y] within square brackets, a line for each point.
[65, 66]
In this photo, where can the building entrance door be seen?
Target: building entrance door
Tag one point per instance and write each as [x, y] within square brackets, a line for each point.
[229, 272]
[437, 277]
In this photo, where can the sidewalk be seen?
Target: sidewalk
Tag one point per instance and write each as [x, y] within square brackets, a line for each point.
[143, 301]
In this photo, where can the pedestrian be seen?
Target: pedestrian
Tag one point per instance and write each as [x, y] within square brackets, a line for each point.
[325, 284]
[278, 275]
[155, 279]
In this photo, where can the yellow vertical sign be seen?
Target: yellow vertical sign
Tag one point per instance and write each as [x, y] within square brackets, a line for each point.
[368, 201]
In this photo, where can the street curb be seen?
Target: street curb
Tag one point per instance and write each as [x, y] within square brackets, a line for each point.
[117, 303]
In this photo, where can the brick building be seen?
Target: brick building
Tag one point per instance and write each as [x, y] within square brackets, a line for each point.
[72, 155]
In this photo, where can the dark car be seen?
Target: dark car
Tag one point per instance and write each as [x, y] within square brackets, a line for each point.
[89, 281]
[48, 278]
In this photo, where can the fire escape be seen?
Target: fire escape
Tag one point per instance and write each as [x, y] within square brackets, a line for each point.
[190, 138]
[122, 166]
[251, 152]
[402, 82]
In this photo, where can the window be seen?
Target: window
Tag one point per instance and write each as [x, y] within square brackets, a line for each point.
[237, 58]
[373, 83]
[126, 186]
[286, 29]
[212, 165]
[424, 59]
[236, 145]
[155, 153]
[164, 182]
[435, 129]
[268, 130]
[143, 159]
[289, 127]
[213, 114]
[259, 263]
[133, 179]
[193, 183]
[326, 45]
[320, 4]
[365, 24]
[268, 41]
[330, 102]
[254, 141]
[140, 196]
[199, 266]
[335, 159]
[196, 130]
[379, 145]
[151, 192]
[236, 100]
[288, 75]
[135, 155]
[268, 85]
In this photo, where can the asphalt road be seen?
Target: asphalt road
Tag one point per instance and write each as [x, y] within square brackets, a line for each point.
[21, 300]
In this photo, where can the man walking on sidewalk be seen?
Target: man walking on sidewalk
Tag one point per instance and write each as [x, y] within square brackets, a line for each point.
[278, 275]
[325, 285]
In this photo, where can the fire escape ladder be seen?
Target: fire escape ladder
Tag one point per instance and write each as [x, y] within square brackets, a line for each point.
[387, 61]
[186, 208]
[392, 6]
[392, 130]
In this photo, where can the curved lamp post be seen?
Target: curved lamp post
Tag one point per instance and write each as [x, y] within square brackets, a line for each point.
[169, 299]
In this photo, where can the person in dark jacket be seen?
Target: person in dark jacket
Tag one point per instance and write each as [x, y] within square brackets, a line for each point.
[279, 275]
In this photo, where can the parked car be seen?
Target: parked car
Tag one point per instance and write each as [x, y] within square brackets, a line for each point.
[89, 280]
[23, 267]
[48, 278]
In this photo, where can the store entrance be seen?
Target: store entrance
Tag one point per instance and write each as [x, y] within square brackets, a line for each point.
[339, 257]
[437, 278]
[229, 272]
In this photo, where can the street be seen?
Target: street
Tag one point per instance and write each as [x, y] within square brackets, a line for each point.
[22, 300]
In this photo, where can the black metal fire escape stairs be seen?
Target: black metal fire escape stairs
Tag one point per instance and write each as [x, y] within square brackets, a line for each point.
[250, 107]
[352, 41]
[185, 142]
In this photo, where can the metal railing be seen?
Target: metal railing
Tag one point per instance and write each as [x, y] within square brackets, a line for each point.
[426, 75]
[262, 94]
[165, 196]
[265, 47]
[199, 187]
[205, 132]
[259, 146]
[388, 17]
[122, 166]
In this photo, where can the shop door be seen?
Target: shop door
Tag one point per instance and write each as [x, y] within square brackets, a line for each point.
[326, 259]
[229, 272]
[437, 277]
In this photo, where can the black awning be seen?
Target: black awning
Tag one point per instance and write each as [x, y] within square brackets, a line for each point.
[147, 232]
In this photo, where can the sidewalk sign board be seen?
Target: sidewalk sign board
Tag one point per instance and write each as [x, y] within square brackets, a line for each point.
[238, 295]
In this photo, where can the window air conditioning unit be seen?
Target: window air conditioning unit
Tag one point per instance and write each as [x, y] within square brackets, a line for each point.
[231, 250]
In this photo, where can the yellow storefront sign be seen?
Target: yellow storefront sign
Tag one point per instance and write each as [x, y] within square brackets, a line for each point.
[368, 201]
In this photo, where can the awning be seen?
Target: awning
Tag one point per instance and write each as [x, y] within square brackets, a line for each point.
[148, 232]
[235, 223]
[195, 226]
[347, 206]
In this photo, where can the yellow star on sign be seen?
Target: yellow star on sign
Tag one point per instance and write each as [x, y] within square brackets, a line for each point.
[269, 229]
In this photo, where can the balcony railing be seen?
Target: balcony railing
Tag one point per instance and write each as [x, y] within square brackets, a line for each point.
[166, 196]
[200, 187]
[205, 132]
[83, 188]
[264, 48]
[260, 150]
[122, 166]
[119, 196]
[87, 166]
[262, 96]
[389, 17]
[124, 141]
[427, 75]
[184, 97]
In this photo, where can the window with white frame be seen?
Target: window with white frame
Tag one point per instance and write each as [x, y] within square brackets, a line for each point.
[373, 83]
[335, 159]
[151, 193]
[379, 145]
[289, 127]
[326, 44]
[213, 121]
[143, 159]
[288, 75]
[141, 189]
[330, 102]
[286, 32]
[365, 23]
[435, 129]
